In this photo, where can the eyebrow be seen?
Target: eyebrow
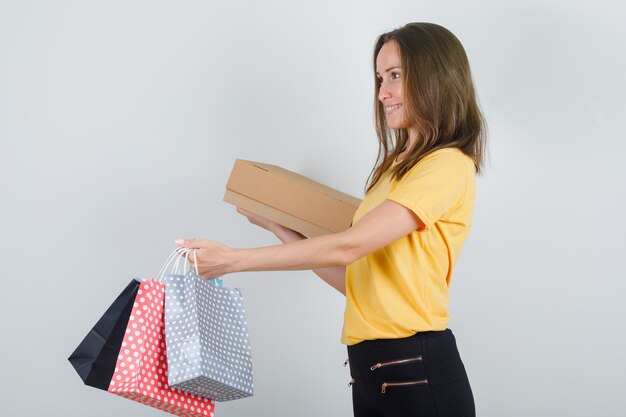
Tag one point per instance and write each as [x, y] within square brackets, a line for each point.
[387, 70]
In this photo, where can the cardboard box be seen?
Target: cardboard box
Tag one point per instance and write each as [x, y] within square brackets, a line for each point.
[289, 199]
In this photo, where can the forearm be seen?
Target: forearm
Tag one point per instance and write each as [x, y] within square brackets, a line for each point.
[333, 276]
[287, 235]
[325, 251]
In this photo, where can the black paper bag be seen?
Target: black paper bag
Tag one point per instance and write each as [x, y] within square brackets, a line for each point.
[95, 357]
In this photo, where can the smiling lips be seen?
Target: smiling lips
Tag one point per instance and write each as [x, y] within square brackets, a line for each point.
[391, 109]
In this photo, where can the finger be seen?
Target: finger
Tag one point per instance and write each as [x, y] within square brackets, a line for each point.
[189, 256]
[244, 211]
[189, 243]
[192, 243]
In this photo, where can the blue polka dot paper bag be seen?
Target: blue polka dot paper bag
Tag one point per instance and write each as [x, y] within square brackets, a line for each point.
[206, 334]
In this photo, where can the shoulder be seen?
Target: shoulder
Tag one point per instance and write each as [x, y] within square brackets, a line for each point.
[447, 154]
[447, 159]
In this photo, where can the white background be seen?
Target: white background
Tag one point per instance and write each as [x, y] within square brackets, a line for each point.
[120, 122]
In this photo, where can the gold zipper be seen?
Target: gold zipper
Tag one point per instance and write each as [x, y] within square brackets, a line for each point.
[380, 365]
[398, 384]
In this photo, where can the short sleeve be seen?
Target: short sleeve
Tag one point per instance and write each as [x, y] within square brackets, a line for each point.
[434, 186]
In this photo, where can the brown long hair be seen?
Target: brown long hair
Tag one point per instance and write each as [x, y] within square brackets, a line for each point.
[439, 100]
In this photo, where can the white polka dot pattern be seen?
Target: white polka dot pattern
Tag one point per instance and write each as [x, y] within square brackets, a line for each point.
[142, 366]
[207, 337]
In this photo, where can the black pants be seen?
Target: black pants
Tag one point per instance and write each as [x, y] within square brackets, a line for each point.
[418, 376]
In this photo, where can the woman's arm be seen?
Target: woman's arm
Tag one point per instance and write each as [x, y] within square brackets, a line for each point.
[381, 226]
[334, 276]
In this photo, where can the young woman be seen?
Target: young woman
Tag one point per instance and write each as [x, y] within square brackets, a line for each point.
[395, 263]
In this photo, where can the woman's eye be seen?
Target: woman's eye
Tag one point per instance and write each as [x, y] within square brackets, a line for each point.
[394, 76]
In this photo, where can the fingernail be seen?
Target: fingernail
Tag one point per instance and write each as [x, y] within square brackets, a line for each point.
[179, 241]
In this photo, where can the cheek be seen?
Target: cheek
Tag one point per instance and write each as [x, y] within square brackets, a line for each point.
[399, 92]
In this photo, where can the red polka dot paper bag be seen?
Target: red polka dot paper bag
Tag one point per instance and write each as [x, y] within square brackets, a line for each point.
[141, 369]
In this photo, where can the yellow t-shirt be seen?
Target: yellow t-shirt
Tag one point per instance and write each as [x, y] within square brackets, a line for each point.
[402, 288]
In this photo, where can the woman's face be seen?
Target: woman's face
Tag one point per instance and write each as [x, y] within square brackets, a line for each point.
[389, 75]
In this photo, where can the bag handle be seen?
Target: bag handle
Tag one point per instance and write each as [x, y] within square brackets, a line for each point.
[177, 255]
[182, 254]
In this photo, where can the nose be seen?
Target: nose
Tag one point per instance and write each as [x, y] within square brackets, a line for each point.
[383, 92]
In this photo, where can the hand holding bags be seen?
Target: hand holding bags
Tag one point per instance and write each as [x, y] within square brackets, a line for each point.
[124, 353]
[210, 359]
[208, 345]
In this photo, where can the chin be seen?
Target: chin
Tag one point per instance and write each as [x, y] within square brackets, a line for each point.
[396, 125]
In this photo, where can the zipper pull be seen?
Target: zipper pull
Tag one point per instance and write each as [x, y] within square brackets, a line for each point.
[346, 362]
[352, 381]
[373, 368]
[384, 387]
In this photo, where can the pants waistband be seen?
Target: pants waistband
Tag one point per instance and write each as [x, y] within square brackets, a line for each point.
[417, 336]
